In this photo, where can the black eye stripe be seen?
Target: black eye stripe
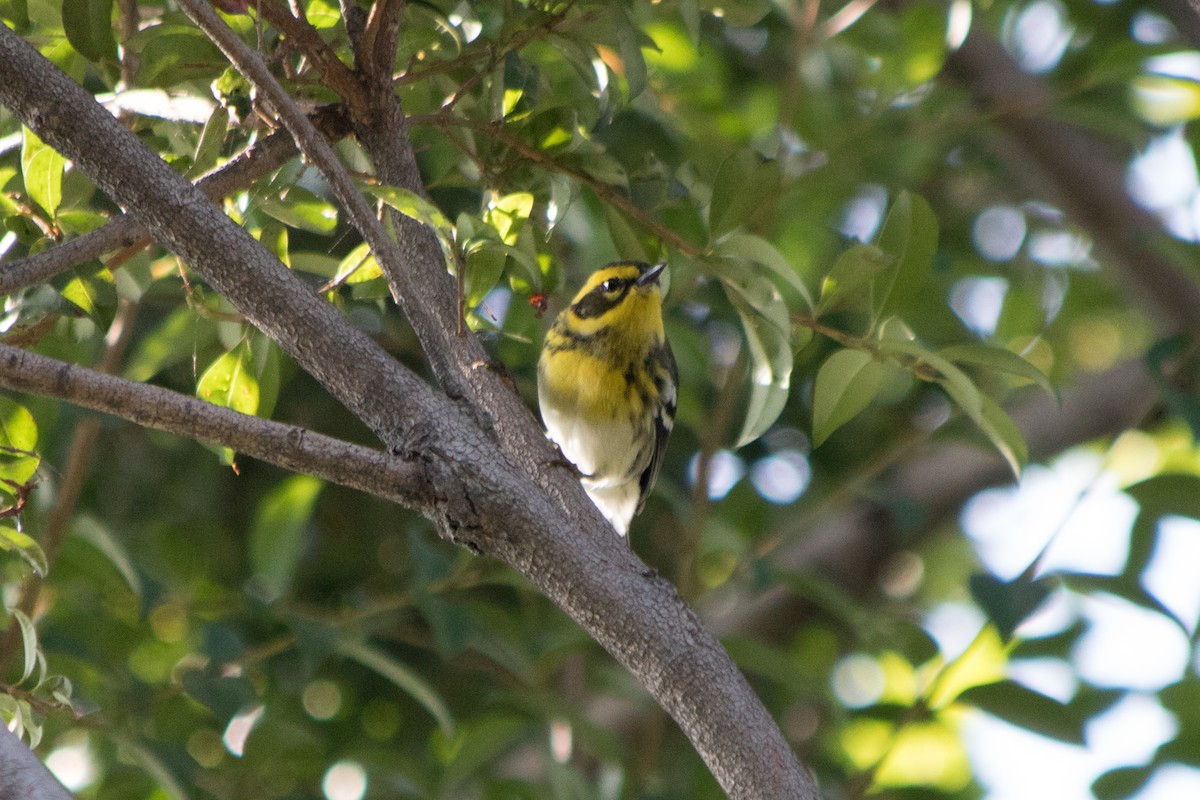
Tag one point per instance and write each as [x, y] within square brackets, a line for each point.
[600, 300]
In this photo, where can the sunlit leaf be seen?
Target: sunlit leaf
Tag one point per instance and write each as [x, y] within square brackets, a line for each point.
[278, 533]
[749, 247]
[42, 169]
[229, 381]
[18, 428]
[23, 545]
[412, 205]
[302, 209]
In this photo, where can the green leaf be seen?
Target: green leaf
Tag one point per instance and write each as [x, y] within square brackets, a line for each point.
[278, 533]
[985, 412]
[1004, 434]
[743, 183]
[18, 428]
[211, 143]
[274, 237]
[29, 640]
[92, 294]
[15, 12]
[629, 47]
[88, 25]
[485, 265]
[1007, 604]
[624, 238]
[403, 678]
[909, 235]
[958, 385]
[94, 533]
[42, 170]
[175, 339]
[765, 321]
[154, 766]
[359, 266]
[846, 384]
[302, 209]
[1031, 710]
[21, 543]
[412, 205]
[849, 283]
[749, 247]
[229, 381]
[1122, 782]
[999, 359]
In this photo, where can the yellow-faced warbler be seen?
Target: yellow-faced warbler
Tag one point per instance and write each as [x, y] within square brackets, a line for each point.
[606, 386]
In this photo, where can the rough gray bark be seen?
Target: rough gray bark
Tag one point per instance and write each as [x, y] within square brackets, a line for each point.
[477, 494]
[22, 776]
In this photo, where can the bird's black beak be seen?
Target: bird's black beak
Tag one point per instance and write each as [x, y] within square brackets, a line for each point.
[650, 276]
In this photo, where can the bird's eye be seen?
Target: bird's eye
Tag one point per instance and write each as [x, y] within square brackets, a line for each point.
[610, 285]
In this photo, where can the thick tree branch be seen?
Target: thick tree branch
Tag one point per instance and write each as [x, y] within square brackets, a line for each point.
[482, 498]
[298, 449]
[22, 775]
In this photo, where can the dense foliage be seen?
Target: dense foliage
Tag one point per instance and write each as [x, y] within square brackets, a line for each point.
[864, 275]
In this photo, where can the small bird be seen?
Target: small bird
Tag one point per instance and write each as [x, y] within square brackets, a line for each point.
[606, 386]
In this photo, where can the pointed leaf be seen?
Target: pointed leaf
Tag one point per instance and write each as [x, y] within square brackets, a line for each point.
[1012, 702]
[765, 321]
[846, 384]
[29, 642]
[278, 533]
[21, 543]
[88, 25]
[850, 281]
[629, 45]
[909, 235]
[94, 533]
[42, 170]
[405, 679]
[748, 247]
[999, 359]
[412, 205]
[210, 144]
[229, 381]
[743, 183]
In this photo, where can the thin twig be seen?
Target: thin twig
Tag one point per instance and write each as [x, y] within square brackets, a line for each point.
[305, 38]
